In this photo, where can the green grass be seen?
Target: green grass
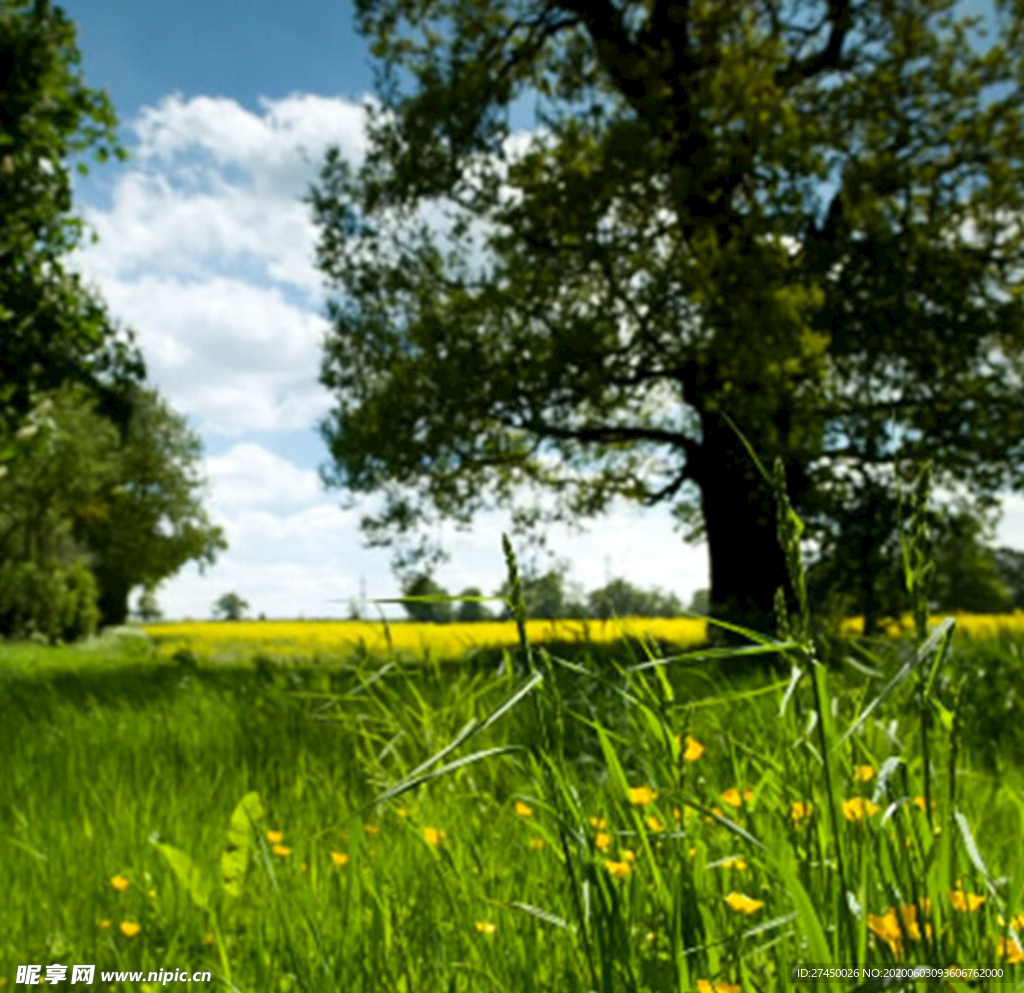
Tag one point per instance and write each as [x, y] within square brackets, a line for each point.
[171, 775]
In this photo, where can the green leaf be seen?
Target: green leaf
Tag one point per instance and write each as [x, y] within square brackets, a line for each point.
[234, 862]
[188, 873]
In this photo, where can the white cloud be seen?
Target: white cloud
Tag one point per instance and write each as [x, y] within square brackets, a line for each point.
[249, 476]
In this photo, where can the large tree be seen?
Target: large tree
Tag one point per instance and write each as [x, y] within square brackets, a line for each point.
[53, 328]
[148, 521]
[126, 507]
[803, 217]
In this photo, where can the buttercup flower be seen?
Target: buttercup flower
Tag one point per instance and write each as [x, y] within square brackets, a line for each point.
[523, 809]
[693, 751]
[706, 986]
[275, 837]
[104, 925]
[599, 823]
[800, 811]
[339, 859]
[618, 869]
[603, 841]
[371, 829]
[740, 864]
[642, 795]
[433, 836]
[732, 797]
[857, 808]
[536, 844]
[129, 928]
[864, 773]
[283, 850]
[887, 927]
[628, 856]
[486, 927]
[743, 904]
[120, 883]
[966, 903]
[1011, 951]
[653, 824]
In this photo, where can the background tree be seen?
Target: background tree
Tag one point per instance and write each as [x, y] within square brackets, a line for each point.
[700, 601]
[1010, 562]
[148, 609]
[125, 507]
[620, 598]
[424, 585]
[148, 521]
[470, 611]
[54, 330]
[799, 216]
[230, 607]
[547, 595]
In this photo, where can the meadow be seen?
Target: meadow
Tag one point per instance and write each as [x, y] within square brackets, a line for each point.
[294, 811]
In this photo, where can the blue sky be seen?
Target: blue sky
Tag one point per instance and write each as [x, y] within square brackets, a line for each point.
[206, 251]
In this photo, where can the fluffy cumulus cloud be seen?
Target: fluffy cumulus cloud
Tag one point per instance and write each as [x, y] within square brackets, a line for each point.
[207, 250]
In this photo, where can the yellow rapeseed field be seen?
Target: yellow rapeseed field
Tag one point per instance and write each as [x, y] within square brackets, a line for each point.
[238, 639]
[443, 641]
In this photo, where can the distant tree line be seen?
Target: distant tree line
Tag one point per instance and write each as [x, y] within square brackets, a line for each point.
[970, 577]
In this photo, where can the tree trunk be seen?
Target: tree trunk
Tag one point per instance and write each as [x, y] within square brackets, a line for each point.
[747, 563]
[112, 600]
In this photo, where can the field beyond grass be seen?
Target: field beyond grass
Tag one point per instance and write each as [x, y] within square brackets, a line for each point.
[289, 814]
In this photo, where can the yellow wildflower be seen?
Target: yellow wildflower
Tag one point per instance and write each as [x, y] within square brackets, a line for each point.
[694, 750]
[486, 927]
[967, 903]
[603, 841]
[434, 836]
[717, 811]
[628, 856]
[599, 823]
[743, 904]
[887, 927]
[800, 811]
[283, 850]
[304, 867]
[536, 844]
[740, 864]
[732, 797]
[1010, 950]
[864, 773]
[653, 824]
[104, 925]
[523, 809]
[129, 928]
[857, 808]
[919, 802]
[1017, 921]
[706, 986]
[275, 837]
[209, 938]
[642, 795]
[120, 883]
[402, 812]
[371, 829]
[339, 859]
[618, 869]
[693, 851]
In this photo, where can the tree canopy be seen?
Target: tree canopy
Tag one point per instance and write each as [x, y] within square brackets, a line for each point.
[54, 329]
[125, 510]
[805, 216]
[230, 607]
